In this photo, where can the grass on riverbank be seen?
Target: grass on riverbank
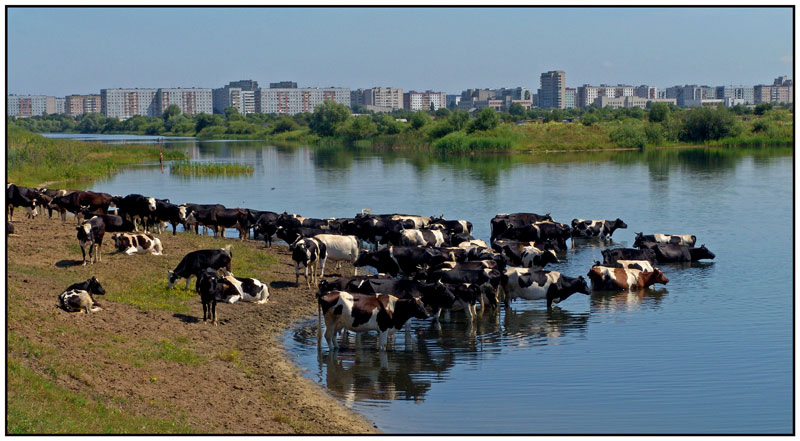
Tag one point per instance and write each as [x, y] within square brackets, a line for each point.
[34, 159]
[186, 168]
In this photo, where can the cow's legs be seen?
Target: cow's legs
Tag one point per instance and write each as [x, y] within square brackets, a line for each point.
[330, 334]
[205, 308]
[83, 254]
[10, 212]
[188, 278]
[383, 337]
[322, 267]
[214, 313]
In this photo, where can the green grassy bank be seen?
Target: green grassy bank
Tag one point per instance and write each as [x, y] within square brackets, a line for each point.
[34, 159]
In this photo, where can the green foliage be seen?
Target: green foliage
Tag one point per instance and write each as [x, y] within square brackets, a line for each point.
[354, 129]
[459, 119]
[459, 142]
[418, 120]
[327, 116]
[284, 124]
[704, 124]
[387, 125]
[659, 112]
[628, 136]
[487, 119]
[762, 108]
[171, 111]
[187, 168]
[517, 109]
[442, 113]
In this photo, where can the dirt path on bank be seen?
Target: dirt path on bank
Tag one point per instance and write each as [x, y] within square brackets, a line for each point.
[234, 378]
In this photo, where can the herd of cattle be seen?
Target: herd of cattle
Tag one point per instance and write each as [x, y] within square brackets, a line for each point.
[424, 264]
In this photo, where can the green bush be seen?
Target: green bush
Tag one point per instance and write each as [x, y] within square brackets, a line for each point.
[704, 124]
[458, 142]
[628, 136]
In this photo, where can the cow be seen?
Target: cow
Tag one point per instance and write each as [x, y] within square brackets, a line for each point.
[405, 260]
[338, 248]
[609, 278]
[199, 217]
[366, 312]
[466, 295]
[641, 265]
[416, 221]
[90, 233]
[136, 208]
[685, 239]
[422, 237]
[460, 241]
[130, 243]
[533, 257]
[471, 265]
[77, 200]
[170, 213]
[291, 234]
[435, 296]
[537, 285]
[602, 229]
[503, 222]
[113, 223]
[232, 218]
[78, 296]
[512, 249]
[452, 226]
[614, 254]
[197, 261]
[242, 289]
[671, 253]
[307, 252]
[264, 223]
[207, 286]
[19, 196]
[487, 279]
[48, 195]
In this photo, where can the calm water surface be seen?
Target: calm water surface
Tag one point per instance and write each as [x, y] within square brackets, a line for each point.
[711, 352]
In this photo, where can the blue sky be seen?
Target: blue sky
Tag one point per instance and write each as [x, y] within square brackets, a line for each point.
[61, 51]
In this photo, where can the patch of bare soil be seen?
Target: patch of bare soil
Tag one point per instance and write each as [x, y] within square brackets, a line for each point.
[244, 381]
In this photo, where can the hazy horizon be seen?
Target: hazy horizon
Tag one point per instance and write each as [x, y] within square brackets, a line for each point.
[64, 51]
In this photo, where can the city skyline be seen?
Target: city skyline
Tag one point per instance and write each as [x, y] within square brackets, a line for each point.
[440, 49]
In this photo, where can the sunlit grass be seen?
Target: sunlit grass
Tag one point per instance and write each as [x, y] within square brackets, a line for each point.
[187, 168]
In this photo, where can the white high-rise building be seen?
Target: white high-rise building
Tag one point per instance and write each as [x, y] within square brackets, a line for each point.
[290, 101]
[126, 103]
[415, 101]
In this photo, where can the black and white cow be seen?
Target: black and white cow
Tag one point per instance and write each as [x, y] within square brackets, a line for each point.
[452, 226]
[610, 256]
[195, 262]
[423, 237]
[19, 196]
[264, 223]
[136, 208]
[671, 253]
[130, 243]
[291, 234]
[46, 194]
[90, 233]
[486, 279]
[307, 252]
[535, 258]
[243, 289]
[677, 239]
[170, 213]
[208, 287]
[203, 215]
[113, 223]
[366, 312]
[538, 285]
[405, 260]
[602, 229]
[79, 296]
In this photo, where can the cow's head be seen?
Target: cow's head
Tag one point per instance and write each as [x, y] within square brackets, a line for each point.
[182, 213]
[171, 279]
[303, 250]
[619, 224]
[659, 277]
[639, 240]
[437, 294]
[580, 283]
[418, 310]
[95, 287]
[701, 253]
[225, 291]
[151, 204]
[116, 238]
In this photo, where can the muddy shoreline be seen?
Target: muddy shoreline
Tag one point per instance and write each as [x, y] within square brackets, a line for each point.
[235, 378]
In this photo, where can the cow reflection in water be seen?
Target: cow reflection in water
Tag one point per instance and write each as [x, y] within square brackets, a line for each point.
[634, 300]
[366, 374]
[538, 327]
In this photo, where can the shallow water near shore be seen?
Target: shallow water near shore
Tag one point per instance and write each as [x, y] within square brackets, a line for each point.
[710, 352]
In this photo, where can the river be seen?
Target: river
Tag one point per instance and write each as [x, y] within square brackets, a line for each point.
[710, 352]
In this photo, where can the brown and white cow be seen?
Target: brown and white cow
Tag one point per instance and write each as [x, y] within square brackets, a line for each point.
[608, 278]
[130, 243]
[366, 312]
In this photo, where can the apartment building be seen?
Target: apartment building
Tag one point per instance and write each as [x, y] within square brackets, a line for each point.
[498, 99]
[773, 94]
[415, 101]
[382, 97]
[238, 94]
[587, 94]
[552, 91]
[282, 85]
[290, 101]
[77, 105]
[192, 101]
[126, 103]
[570, 97]
[629, 101]
[745, 93]
[23, 106]
[53, 105]
[691, 95]
[646, 92]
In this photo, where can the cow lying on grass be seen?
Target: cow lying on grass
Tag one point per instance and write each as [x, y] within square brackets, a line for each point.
[78, 296]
